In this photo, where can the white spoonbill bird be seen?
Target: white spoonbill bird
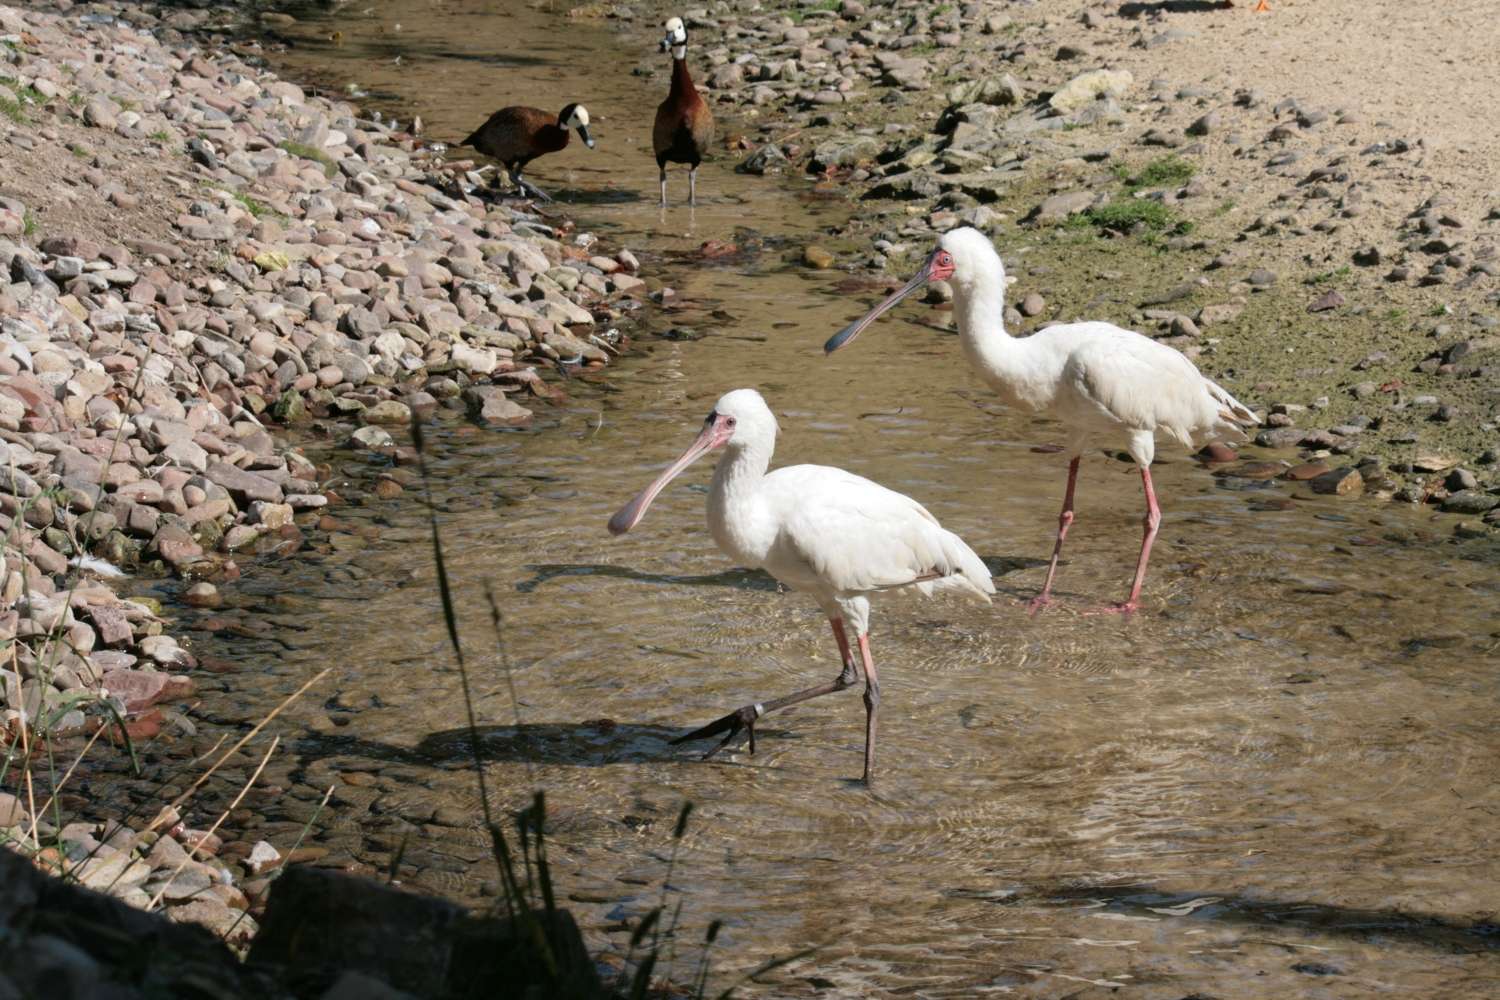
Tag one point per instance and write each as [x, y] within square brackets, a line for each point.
[1094, 377]
[823, 531]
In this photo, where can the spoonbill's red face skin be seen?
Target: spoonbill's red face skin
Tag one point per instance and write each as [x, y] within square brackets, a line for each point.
[941, 266]
[718, 428]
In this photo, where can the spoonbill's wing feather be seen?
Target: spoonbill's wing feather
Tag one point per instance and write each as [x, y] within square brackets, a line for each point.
[1147, 386]
[852, 535]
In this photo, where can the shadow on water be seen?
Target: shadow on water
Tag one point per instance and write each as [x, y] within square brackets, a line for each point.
[739, 579]
[1144, 901]
[408, 49]
[596, 743]
[561, 196]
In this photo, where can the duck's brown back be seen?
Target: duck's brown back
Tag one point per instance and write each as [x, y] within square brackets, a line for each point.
[518, 133]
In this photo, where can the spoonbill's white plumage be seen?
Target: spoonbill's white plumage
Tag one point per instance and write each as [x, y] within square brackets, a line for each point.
[829, 533]
[1097, 378]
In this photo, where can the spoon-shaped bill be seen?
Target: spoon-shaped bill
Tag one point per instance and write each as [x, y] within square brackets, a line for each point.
[853, 330]
[630, 515]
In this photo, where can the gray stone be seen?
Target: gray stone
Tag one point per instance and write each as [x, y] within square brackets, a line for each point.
[1059, 206]
[1087, 87]
[244, 486]
[101, 112]
[844, 152]
[1000, 90]
[1469, 502]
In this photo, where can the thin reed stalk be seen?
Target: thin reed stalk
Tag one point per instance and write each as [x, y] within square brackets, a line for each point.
[196, 847]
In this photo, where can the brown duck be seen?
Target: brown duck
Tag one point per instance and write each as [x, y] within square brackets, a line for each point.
[517, 135]
[684, 124]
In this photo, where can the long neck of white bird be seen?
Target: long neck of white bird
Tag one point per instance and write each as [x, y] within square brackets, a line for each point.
[740, 469]
[979, 308]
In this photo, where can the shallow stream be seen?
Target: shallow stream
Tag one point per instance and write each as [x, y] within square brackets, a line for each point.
[1278, 780]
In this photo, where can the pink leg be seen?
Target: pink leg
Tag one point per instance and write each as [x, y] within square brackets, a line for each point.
[846, 656]
[1152, 522]
[872, 707]
[1063, 521]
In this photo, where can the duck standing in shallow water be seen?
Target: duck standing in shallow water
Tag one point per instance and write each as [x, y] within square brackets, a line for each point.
[820, 530]
[517, 135]
[1094, 377]
[684, 124]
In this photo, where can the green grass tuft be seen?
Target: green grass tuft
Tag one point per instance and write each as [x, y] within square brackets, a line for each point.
[1123, 215]
[29, 225]
[307, 152]
[1329, 277]
[1164, 171]
[799, 13]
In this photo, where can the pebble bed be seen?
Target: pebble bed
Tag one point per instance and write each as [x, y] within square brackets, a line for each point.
[298, 261]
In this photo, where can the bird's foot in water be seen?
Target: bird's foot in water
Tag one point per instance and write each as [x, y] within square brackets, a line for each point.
[730, 725]
[1118, 608]
[1039, 602]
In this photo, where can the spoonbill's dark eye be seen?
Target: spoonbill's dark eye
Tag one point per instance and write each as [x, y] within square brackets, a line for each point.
[728, 421]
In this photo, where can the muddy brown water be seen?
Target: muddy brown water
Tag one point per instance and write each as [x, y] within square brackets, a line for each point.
[1277, 781]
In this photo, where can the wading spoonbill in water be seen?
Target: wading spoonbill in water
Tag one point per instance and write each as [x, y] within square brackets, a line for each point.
[1098, 379]
[820, 530]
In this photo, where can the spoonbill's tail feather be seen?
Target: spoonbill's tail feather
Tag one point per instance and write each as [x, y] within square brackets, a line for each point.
[1236, 416]
[963, 570]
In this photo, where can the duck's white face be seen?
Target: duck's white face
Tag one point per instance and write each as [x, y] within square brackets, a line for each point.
[739, 419]
[676, 37]
[576, 116]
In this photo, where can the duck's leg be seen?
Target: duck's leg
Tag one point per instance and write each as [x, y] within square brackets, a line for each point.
[745, 718]
[1064, 520]
[693, 186]
[528, 188]
[663, 186]
[872, 707]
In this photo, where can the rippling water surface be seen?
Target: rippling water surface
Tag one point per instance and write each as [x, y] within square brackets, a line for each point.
[1279, 780]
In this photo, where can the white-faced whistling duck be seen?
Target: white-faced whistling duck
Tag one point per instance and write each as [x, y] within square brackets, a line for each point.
[517, 135]
[684, 124]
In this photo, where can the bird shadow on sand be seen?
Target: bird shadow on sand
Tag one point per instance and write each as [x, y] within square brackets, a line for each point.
[596, 743]
[1144, 901]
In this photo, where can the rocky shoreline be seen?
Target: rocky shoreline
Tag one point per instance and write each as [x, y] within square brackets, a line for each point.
[200, 258]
